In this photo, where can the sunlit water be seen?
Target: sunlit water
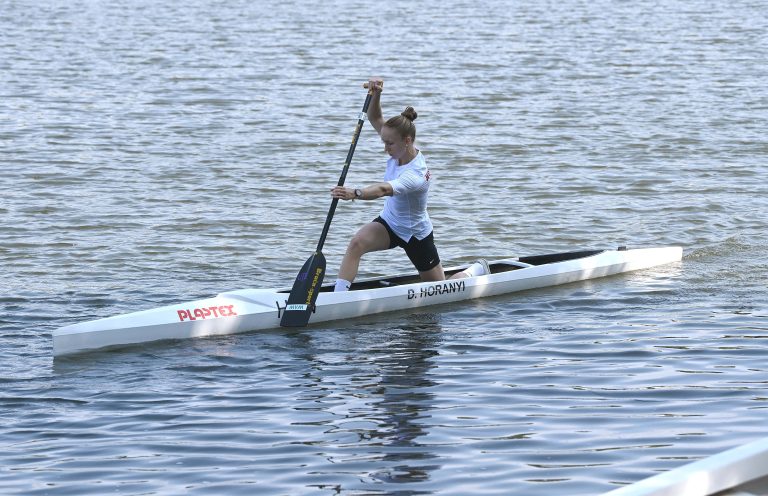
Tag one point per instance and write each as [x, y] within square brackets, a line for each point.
[157, 153]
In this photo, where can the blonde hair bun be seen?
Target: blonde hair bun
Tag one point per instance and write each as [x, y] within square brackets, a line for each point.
[409, 113]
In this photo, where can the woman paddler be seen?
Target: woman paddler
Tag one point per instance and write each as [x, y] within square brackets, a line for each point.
[404, 221]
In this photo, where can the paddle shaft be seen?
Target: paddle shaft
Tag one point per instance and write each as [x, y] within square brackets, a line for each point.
[301, 300]
[343, 177]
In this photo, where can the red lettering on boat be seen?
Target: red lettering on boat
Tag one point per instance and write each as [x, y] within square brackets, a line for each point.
[203, 313]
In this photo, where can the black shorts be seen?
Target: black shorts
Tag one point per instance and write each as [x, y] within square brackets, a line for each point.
[421, 252]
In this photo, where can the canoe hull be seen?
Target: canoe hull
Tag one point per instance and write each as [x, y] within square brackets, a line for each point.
[258, 309]
[741, 471]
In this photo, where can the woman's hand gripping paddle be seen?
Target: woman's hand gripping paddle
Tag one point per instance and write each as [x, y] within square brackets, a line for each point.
[301, 301]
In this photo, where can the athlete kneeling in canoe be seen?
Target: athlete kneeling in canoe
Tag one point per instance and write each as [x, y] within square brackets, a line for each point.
[404, 222]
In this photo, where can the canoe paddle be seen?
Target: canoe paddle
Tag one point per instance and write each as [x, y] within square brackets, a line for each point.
[301, 301]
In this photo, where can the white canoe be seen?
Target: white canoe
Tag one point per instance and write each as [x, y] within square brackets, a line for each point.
[254, 309]
[741, 471]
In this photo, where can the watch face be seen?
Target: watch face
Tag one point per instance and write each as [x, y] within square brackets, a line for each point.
[358, 193]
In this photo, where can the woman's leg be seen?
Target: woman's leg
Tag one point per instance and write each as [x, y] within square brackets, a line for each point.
[479, 268]
[370, 237]
[423, 253]
[437, 273]
[434, 274]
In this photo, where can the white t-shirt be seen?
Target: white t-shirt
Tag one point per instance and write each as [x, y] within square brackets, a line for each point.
[406, 210]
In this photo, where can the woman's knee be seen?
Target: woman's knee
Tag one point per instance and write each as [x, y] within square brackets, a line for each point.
[358, 246]
[372, 237]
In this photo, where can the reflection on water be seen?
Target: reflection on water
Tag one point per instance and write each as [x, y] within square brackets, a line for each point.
[379, 394]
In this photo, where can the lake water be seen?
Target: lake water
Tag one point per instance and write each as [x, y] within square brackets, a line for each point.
[159, 152]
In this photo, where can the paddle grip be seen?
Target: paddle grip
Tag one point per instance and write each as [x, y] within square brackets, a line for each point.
[365, 85]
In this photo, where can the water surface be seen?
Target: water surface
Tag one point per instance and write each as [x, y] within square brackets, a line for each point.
[158, 153]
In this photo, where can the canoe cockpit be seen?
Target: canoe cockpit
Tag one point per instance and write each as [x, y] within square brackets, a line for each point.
[496, 267]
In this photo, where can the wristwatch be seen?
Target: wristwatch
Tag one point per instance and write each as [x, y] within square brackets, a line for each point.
[358, 193]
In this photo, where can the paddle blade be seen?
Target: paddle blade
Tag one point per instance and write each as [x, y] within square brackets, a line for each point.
[303, 295]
